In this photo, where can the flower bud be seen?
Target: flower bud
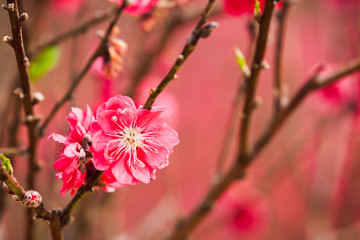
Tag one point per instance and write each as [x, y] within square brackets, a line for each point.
[32, 199]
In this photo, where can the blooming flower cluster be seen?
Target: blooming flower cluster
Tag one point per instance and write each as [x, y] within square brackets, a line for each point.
[128, 144]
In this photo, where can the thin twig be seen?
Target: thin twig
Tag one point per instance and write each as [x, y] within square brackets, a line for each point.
[199, 31]
[234, 118]
[80, 194]
[314, 83]
[83, 28]
[280, 90]
[251, 82]
[178, 17]
[31, 121]
[185, 226]
[97, 53]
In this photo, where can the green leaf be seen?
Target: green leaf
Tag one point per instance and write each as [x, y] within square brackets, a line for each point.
[241, 61]
[6, 164]
[257, 10]
[44, 62]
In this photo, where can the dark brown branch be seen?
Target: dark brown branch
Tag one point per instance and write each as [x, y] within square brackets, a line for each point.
[31, 121]
[280, 90]
[251, 82]
[199, 31]
[83, 28]
[178, 17]
[97, 53]
[80, 194]
[185, 226]
[314, 83]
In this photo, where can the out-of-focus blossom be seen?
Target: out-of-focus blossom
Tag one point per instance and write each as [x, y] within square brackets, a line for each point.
[113, 61]
[105, 82]
[245, 211]
[337, 96]
[72, 160]
[138, 7]
[132, 143]
[70, 6]
[241, 7]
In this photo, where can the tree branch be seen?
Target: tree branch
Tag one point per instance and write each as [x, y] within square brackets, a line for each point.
[178, 17]
[251, 82]
[199, 31]
[280, 90]
[80, 194]
[83, 28]
[23, 63]
[97, 53]
[185, 226]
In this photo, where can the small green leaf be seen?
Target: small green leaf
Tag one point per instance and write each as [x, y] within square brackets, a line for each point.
[44, 62]
[257, 10]
[241, 61]
[6, 164]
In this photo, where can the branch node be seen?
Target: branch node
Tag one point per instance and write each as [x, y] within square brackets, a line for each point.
[26, 62]
[257, 65]
[24, 17]
[8, 40]
[181, 57]
[152, 90]
[32, 119]
[37, 97]
[265, 65]
[207, 29]
[9, 7]
[19, 92]
[257, 102]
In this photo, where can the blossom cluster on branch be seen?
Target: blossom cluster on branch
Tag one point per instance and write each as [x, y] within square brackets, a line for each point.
[127, 143]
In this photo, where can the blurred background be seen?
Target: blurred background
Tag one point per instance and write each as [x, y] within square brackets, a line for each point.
[305, 185]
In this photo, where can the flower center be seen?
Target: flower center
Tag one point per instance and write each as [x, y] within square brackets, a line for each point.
[131, 137]
[128, 139]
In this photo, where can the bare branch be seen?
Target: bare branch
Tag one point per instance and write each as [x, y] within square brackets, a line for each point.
[97, 53]
[199, 31]
[280, 88]
[186, 225]
[83, 28]
[251, 82]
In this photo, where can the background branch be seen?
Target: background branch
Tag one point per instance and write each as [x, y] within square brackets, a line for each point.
[251, 82]
[83, 28]
[185, 226]
[97, 53]
[280, 90]
[31, 121]
[199, 31]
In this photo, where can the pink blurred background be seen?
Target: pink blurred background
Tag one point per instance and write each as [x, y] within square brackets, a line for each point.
[306, 183]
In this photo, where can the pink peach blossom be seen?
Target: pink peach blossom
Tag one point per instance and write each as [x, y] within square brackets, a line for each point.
[72, 159]
[245, 211]
[70, 6]
[138, 7]
[133, 142]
